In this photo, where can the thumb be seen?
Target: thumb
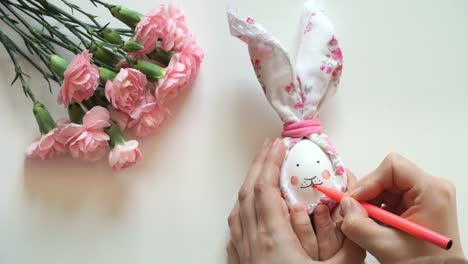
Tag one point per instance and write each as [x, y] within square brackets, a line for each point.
[362, 230]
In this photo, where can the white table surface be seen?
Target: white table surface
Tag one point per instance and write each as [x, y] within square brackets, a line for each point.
[403, 89]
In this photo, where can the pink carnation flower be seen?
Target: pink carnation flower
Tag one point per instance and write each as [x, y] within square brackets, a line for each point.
[149, 117]
[124, 156]
[81, 78]
[178, 36]
[152, 27]
[87, 141]
[46, 147]
[120, 118]
[181, 72]
[125, 91]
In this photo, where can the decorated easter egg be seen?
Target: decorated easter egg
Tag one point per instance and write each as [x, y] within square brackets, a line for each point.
[307, 164]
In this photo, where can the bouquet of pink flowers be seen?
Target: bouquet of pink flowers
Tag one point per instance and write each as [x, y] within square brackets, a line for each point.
[119, 78]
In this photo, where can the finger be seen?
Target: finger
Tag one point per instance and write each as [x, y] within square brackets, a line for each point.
[336, 214]
[394, 172]
[352, 181]
[267, 194]
[284, 208]
[235, 225]
[329, 238]
[246, 195]
[364, 231]
[302, 226]
[233, 256]
[349, 253]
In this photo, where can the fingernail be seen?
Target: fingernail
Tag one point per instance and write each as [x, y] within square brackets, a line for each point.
[297, 208]
[266, 143]
[357, 192]
[339, 224]
[346, 205]
[277, 142]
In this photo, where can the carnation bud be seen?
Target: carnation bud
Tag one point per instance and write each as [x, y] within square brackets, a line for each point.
[127, 16]
[132, 46]
[111, 35]
[36, 32]
[152, 71]
[106, 75]
[43, 118]
[162, 56]
[105, 55]
[58, 64]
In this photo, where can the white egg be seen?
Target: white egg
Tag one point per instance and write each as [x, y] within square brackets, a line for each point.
[306, 164]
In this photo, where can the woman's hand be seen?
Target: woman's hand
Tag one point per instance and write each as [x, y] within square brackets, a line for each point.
[326, 239]
[402, 188]
[260, 226]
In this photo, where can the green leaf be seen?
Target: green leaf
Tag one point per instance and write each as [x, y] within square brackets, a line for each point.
[17, 75]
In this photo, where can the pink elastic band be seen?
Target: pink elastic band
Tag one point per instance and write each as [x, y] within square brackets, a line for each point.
[302, 128]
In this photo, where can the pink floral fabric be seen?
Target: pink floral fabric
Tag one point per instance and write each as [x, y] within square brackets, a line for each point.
[81, 78]
[295, 91]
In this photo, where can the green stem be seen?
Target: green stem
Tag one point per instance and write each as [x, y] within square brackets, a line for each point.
[19, 72]
[76, 113]
[53, 8]
[77, 8]
[73, 24]
[116, 137]
[104, 4]
[35, 14]
[29, 41]
[46, 76]
[99, 97]
[31, 29]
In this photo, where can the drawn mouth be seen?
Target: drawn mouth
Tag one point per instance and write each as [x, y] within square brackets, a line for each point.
[311, 181]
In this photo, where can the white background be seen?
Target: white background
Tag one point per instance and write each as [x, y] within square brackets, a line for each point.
[403, 89]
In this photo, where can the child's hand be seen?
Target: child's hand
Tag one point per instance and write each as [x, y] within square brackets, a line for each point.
[402, 188]
[326, 240]
[260, 227]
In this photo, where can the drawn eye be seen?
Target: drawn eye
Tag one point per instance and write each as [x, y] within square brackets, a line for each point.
[297, 165]
[318, 161]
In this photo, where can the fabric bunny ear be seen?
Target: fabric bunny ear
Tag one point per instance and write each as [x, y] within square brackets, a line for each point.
[272, 67]
[295, 93]
[319, 59]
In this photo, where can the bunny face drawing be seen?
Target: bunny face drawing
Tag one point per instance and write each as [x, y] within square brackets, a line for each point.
[306, 165]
